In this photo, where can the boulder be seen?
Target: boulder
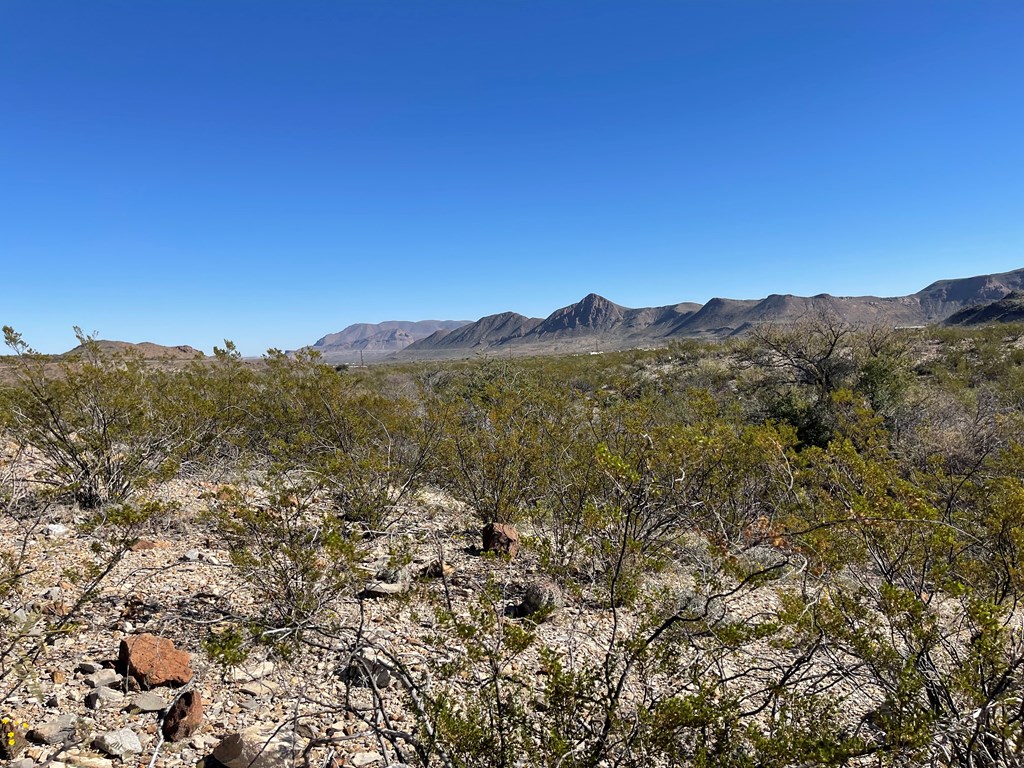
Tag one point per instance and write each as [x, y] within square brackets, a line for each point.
[501, 538]
[184, 716]
[154, 661]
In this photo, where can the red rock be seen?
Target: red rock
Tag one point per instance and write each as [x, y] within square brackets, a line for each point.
[184, 716]
[501, 538]
[154, 661]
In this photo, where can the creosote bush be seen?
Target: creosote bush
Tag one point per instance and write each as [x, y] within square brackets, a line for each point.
[801, 548]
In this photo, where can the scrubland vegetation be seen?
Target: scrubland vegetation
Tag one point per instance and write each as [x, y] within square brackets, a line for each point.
[800, 548]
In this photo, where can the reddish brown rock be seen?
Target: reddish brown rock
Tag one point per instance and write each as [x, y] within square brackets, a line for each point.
[184, 717]
[154, 661]
[501, 538]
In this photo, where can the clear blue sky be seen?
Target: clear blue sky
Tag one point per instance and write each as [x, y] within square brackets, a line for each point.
[185, 172]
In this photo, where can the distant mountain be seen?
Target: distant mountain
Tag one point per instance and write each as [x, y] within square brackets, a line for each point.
[594, 323]
[147, 349]
[375, 340]
[486, 332]
[1009, 309]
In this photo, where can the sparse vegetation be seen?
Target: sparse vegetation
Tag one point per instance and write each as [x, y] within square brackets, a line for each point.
[803, 548]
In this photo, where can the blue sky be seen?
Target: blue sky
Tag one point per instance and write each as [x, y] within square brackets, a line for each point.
[268, 172]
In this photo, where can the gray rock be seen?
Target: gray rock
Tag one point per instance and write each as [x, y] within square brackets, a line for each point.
[258, 748]
[55, 731]
[89, 667]
[259, 689]
[57, 531]
[377, 589]
[252, 672]
[118, 743]
[149, 702]
[367, 671]
[104, 678]
[360, 759]
[191, 556]
[395, 574]
[25, 762]
[101, 698]
[543, 596]
[701, 608]
[762, 558]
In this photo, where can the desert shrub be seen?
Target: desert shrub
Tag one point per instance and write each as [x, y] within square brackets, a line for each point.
[299, 561]
[488, 453]
[95, 423]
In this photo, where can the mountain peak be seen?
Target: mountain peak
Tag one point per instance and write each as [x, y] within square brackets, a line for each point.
[591, 313]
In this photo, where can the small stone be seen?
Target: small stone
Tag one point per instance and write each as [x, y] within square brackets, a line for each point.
[25, 762]
[437, 570]
[89, 761]
[259, 688]
[191, 556]
[58, 677]
[118, 743]
[253, 672]
[184, 716]
[104, 678]
[55, 731]
[365, 671]
[57, 531]
[376, 589]
[101, 698]
[360, 759]
[88, 667]
[144, 545]
[149, 702]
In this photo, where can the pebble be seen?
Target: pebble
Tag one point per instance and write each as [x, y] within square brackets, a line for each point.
[89, 667]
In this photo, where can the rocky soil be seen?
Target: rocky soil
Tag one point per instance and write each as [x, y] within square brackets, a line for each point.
[124, 678]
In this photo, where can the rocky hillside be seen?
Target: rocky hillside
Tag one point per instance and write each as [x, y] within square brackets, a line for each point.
[1009, 309]
[147, 349]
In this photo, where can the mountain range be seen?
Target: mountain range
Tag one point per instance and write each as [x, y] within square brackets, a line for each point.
[596, 324]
